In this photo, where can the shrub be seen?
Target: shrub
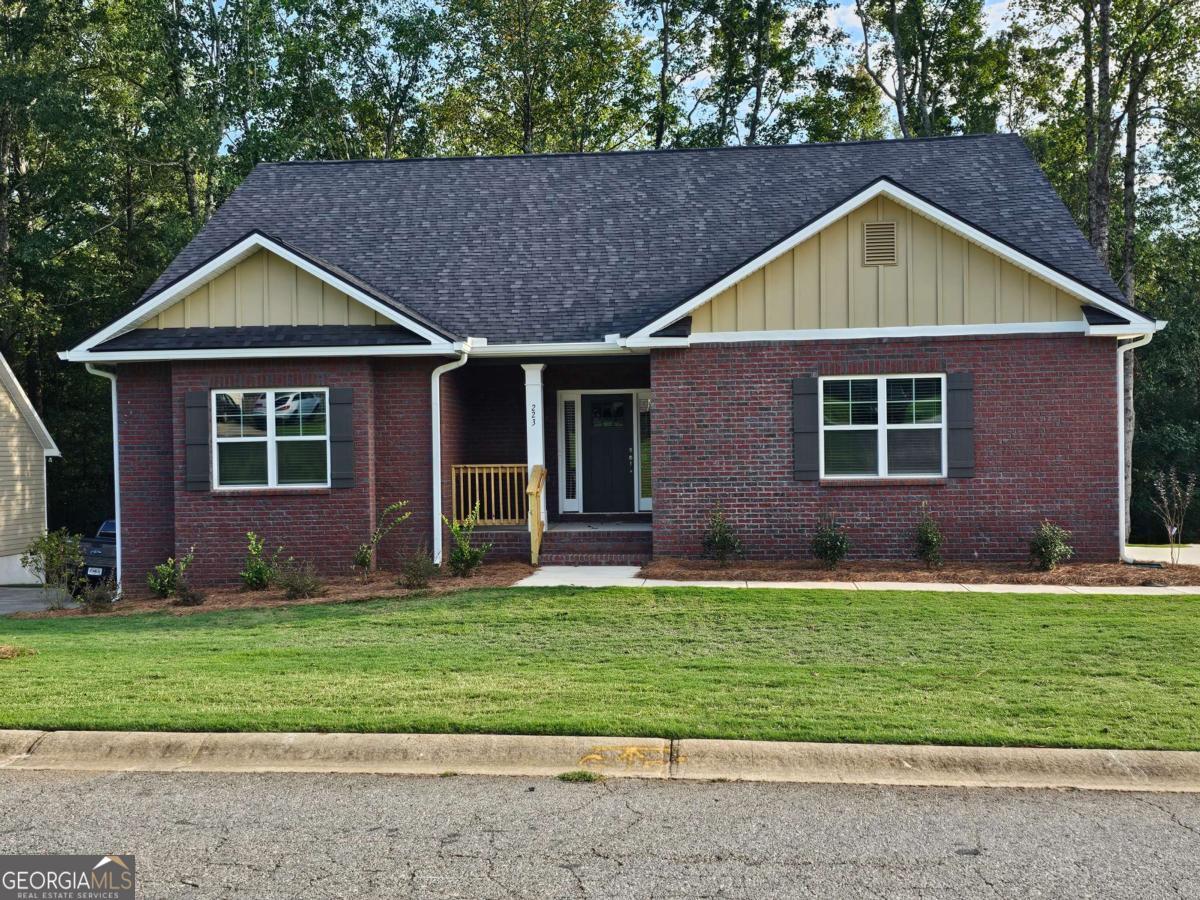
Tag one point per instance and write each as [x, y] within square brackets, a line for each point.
[1171, 500]
[299, 580]
[417, 569]
[720, 541]
[165, 578]
[389, 518]
[98, 597]
[1049, 546]
[929, 539]
[186, 595]
[54, 559]
[465, 557]
[259, 571]
[830, 542]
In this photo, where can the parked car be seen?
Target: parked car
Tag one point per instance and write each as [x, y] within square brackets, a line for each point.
[100, 554]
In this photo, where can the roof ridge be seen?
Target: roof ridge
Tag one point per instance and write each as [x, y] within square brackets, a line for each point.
[726, 148]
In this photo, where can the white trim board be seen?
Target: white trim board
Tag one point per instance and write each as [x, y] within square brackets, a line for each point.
[894, 192]
[118, 356]
[25, 408]
[228, 258]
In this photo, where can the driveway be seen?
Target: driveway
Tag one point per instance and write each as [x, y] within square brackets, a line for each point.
[21, 599]
[318, 836]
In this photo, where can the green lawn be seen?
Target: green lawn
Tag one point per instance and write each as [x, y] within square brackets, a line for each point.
[678, 662]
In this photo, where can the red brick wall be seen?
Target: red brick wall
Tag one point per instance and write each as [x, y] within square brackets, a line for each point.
[321, 525]
[1045, 446]
[145, 435]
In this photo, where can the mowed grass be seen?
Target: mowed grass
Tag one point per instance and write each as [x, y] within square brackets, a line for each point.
[680, 662]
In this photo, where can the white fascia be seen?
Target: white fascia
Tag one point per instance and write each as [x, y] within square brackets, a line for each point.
[119, 356]
[912, 201]
[1121, 331]
[570, 348]
[241, 250]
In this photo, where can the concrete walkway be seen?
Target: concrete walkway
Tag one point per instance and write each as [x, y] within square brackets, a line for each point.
[1189, 554]
[627, 576]
[22, 599]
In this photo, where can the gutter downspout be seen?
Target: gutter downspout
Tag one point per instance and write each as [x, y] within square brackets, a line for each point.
[1122, 349]
[116, 457]
[436, 407]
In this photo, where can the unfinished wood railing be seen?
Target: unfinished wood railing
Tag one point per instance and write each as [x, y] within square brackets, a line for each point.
[499, 489]
[537, 482]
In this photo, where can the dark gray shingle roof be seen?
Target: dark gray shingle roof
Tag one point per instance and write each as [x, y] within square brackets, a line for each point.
[573, 247]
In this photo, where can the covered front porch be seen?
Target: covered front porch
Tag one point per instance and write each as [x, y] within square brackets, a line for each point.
[555, 453]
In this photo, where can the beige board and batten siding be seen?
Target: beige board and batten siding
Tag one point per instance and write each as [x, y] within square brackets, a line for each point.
[23, 477]
[939, 278]
[264, 289]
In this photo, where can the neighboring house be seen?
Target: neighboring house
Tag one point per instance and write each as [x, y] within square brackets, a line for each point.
[25, 445]
[793, 332]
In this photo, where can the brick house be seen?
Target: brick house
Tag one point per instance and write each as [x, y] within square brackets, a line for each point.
[596, 349]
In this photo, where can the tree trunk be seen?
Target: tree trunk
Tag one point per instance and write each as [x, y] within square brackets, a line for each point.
[901, 87]
[1101, 193]
[1128, 258]
[6, 119]
[762, 25]
[664, 93]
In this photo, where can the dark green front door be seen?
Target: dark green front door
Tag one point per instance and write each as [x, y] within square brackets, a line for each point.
[607, 444]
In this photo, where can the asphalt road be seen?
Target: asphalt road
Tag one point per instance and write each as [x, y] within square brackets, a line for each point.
[267, 836]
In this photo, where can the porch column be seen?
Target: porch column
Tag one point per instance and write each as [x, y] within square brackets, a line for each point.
[535, 430]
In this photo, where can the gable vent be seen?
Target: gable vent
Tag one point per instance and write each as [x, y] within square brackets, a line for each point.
[879, 243]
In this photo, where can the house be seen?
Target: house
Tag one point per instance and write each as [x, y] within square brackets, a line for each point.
[25, 445]
[622, 341]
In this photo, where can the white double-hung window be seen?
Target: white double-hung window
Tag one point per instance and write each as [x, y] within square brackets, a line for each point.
[885, 426]
[271, 438]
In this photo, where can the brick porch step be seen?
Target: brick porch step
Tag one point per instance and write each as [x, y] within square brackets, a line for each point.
[596, 547]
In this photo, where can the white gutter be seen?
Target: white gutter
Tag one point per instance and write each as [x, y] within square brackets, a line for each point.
[116, 459]
[435, 404]
[1122, 349]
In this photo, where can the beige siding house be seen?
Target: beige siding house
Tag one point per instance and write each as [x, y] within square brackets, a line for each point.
[25, 444]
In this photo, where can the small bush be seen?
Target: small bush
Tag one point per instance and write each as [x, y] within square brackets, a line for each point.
[186, 595]
[1050, 546]
[165, 578]
[98, 597]
[364, 555]
[465, 557]
[417, 569]
[720, 541]
[929, 539]
[259, 570]
[54, 559]
[299, 580]
[830, 542]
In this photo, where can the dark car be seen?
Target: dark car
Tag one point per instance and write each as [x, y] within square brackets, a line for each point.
[100, 554]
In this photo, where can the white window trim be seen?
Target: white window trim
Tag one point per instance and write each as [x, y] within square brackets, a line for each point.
[271, 439]
[640, 503]
[881, 427]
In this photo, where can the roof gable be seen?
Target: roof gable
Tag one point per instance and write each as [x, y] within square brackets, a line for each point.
[8, 381]
[951, 273]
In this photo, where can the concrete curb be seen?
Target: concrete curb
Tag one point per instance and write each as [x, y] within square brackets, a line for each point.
[1104, 770]
[385, 754]
[465, 754]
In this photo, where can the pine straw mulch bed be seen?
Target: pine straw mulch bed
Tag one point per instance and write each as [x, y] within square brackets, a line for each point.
[1081, 574]
[338, 589]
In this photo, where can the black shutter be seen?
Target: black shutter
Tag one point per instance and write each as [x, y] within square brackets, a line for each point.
[195, 440]
[806, 462]
[341, 437]
[960, 417]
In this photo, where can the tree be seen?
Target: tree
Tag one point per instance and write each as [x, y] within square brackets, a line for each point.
[531, 76]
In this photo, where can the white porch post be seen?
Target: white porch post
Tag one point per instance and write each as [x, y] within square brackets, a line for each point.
[535, 430]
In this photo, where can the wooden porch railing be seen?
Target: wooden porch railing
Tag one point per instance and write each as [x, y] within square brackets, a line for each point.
[537, 482]
[500, 491]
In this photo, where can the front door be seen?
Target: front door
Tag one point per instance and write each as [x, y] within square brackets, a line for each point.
[607, 444]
